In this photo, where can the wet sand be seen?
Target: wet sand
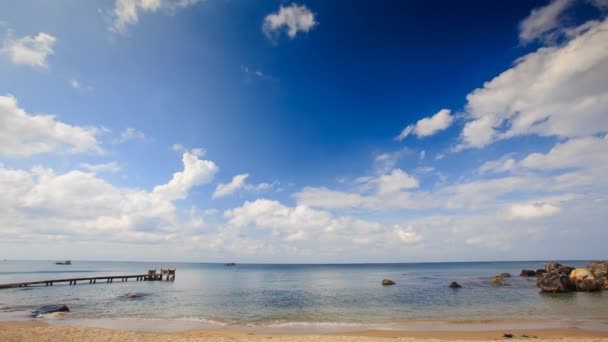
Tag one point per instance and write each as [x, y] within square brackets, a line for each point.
[41, 331]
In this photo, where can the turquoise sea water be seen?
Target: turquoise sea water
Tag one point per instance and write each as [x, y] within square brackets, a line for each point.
[271, 294]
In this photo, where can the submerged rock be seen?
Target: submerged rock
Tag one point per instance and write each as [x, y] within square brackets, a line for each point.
[50, 308]
[388, 282]
[505, 275]
[132, 296]
[497, 280]
[455, 285]
[528, 273]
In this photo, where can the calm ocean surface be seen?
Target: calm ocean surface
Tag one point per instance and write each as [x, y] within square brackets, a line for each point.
[278, 294]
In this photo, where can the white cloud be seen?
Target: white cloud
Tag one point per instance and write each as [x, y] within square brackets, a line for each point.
[196, 172]
[197, 151]
[30, 50]
[294, 18]
[428, 126]
[543, 20]
[395, 181]
[533, 210]
[131, 133]
[126, 12]
[407, 235]
[78, 85]
[99, 168]
[555, 91]
[237, 183]
[77, 205]
[23, 134]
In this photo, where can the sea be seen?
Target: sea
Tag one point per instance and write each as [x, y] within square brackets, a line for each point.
[281, 295]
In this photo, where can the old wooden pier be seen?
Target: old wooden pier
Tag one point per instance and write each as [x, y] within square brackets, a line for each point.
[152, 275]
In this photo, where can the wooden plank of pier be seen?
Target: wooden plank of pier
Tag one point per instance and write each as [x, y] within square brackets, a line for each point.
[150, 276]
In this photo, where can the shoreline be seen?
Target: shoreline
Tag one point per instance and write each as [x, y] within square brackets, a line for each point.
[43, 331]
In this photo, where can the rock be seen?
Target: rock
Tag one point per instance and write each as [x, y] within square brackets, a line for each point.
[388, 282]
[497, 280]
[540, 272]
[50, 308]
[598, 268]
[455, 285]
[584, 280]
[131, 296]
[505, 275]
[565, 269]
[555, 282]
[552, 266]
[589, 285]
[528, 273]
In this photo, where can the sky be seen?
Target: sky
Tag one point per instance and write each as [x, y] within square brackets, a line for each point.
[303, 132]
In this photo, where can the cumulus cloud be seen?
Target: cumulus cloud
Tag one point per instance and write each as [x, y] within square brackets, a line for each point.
[293, 18]
[543, 20]
[40, 202]
[126, 12]
[32, 51]
[196, 172]
[197, 151]
[428, 126]
[555, 91]
[23, 134]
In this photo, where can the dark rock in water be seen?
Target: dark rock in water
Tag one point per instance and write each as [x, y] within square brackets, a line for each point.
[585, 280]
[589, 285]
[565, 269]
[552, 266]
[528, 273]
[388, 282]
[555, 282]
[507, 335]
[455, 285]
[505, 275]
[50, 308]
[131, 296]
[540, 272]
[598, 268]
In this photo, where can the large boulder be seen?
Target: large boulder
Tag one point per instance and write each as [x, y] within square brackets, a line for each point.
[552, 266]
[455, 285]
[388, 282]
[598, 268]
[505, 275]
[528, 273]
[50, 308]
[555, 282]
[540, 272]
[565, 269]
[585, 280]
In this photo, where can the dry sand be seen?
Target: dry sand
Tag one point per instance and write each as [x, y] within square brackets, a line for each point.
[39, 331]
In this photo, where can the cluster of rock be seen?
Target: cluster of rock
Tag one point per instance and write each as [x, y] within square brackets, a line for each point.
[559, 278]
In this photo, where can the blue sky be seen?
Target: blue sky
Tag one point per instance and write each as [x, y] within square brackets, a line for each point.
[309, 131]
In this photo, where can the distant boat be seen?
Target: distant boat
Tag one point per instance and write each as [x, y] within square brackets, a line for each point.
[67, 262]
[230, 264]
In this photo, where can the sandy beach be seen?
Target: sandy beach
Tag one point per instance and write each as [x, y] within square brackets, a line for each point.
[40, 331]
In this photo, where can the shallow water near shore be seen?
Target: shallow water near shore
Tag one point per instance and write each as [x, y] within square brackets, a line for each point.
[280, 296]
